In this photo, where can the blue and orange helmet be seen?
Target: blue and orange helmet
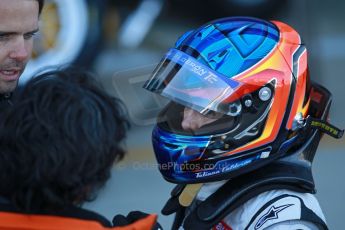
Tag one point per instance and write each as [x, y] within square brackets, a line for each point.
[251, 75]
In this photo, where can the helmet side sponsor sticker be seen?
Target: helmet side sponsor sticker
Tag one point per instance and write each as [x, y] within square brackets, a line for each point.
[224, 166]
[198, 68]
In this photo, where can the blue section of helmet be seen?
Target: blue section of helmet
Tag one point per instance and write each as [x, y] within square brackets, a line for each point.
[231, 45]
[172, 150]
[181, 39]
[175, 153]
[175, 145]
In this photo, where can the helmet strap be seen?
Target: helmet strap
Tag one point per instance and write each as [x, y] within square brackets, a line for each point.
[188, 194]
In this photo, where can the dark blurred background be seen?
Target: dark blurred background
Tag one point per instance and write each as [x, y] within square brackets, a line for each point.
[122, 41]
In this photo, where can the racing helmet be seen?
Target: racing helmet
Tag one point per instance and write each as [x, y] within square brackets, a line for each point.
[251, 77]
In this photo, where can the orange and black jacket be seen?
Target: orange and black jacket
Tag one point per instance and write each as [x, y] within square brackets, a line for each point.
[69, 219]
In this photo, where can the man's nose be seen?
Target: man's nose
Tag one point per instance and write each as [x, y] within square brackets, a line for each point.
[19, 51]
[191, 120]
[188, 124]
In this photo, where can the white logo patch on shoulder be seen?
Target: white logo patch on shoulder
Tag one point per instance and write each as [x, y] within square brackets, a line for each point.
[281, 209]
[270, 215]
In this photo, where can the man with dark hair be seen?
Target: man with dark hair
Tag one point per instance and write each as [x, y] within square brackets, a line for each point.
[18, 25]
[59, 142]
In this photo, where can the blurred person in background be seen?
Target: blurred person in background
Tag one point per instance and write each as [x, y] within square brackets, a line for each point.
[242, 128]
[18, 25]
[59, 141]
